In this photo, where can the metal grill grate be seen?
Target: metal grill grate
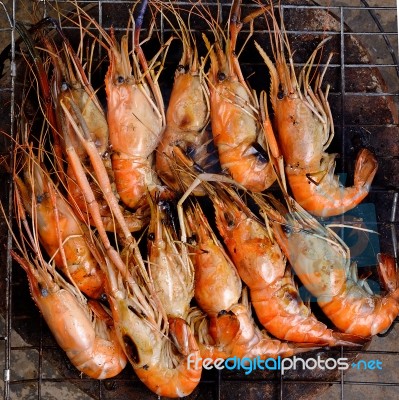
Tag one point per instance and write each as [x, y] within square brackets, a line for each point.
[364, 96]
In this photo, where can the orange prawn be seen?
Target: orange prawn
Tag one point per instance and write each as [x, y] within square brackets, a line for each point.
[229, 329]
[217, 283]
[78, 105]
[135, 111]
[322, 262]
[187, 115]
[83, 329]
[89, 341]
[235, 115]
[136, 116]
[304, 130]
[170, 268]
[157, 347]
[65, 238]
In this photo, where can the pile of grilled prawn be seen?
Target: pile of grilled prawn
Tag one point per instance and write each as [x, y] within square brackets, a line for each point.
[122, 259]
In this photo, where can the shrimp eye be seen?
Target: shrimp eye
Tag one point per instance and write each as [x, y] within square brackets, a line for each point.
[181, 68]
[103, 297]
[165, 207]
[64, 86]
[225, 312]
[261, 154]
[192, 239]
[286, 229]
[120, 79]
[163, 204]
[229, 220]
[151, 236]
[40, 198]
[280, 94]
[43, 290]
[221, 76]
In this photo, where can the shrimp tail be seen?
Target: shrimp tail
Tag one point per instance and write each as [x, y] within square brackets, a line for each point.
[224, 328]
[365, 169]
[321, 194]
[183, 378]
[388, 274]
[235, 334]
[349, 340]
[181, 335]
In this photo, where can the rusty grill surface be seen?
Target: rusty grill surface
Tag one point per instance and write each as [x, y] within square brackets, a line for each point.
[363, 76]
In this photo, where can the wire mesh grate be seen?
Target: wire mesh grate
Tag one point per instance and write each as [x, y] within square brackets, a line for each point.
[363, 75]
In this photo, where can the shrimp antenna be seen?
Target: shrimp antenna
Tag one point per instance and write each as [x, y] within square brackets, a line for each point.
[140, 17]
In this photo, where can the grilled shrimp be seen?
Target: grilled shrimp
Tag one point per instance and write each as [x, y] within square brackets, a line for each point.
[235, 115]
[83, 329]
[136, 117]
[89, 341]
[304, 130]
[187, 115]
[228, 330]
[157, 347]
[217, 283]
[64, 237]
[135, 112]
[262, 266]
[169, 266]
[73, 104]
[79, 108]
[322, 262]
